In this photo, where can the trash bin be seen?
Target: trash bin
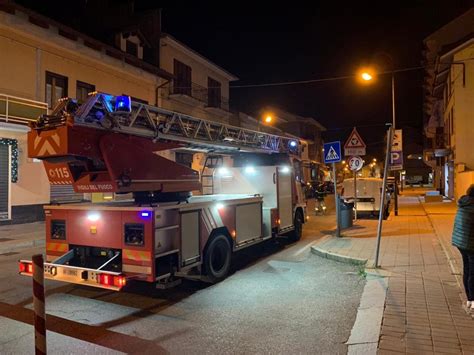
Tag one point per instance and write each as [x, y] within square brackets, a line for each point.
[347, 213]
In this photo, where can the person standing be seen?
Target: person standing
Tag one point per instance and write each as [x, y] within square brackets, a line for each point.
[463, 239]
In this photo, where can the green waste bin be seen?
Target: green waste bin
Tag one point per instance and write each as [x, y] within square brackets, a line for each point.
[347, 213]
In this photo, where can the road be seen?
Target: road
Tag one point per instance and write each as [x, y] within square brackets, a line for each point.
[286, 301]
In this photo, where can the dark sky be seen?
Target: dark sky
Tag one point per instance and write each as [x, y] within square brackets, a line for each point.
[291, 43]
[264, 42]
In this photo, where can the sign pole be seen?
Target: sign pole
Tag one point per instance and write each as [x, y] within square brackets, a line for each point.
[382, 195]
[336, 199]
[355, 195]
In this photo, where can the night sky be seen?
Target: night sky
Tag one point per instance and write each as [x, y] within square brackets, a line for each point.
[267, 43]
[288, 43]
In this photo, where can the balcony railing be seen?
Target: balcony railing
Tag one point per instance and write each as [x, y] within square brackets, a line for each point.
[18, 110]
[199, 93]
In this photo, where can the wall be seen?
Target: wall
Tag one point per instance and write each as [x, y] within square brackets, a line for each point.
[31, 191]
[28, 51]
[32, 50]
[463, 104]
[199, 75]
[463, 181]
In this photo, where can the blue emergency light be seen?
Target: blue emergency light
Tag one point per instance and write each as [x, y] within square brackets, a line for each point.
[123, 103]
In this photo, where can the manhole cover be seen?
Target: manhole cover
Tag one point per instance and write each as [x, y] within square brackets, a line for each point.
[5, 239]
[9, 253]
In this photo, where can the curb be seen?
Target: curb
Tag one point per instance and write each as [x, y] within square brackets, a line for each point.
[22, 245]
[337, 257]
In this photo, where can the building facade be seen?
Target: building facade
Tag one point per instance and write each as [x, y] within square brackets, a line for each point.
[45, 60]
[307, 128]
[448, 105]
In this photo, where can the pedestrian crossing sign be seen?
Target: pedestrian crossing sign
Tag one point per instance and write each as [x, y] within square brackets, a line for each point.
[332, 152]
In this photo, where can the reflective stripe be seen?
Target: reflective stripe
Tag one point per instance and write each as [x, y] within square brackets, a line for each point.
[137, 255]
[136, 269]
[61, 247]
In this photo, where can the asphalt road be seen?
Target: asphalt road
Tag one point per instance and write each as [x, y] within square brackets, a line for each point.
[279, 299]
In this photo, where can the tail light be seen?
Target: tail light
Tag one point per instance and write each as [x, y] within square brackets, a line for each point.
[111, 280]
[25, 267]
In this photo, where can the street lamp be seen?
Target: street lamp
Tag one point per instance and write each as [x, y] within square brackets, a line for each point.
[366, 75]
[267, 119]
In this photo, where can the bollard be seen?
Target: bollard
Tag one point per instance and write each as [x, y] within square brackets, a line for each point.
[38, 304]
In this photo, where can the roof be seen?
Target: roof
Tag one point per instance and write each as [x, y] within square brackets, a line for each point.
[74, 35]
[286, 117]
[438, 44]
[199, 57]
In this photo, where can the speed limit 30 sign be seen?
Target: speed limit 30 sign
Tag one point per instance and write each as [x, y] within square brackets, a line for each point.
[355, 163]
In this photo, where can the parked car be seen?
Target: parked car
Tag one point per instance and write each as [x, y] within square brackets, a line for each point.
[368, 195]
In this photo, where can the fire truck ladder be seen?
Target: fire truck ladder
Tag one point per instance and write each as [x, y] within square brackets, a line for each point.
[119, 114]
[211, 163]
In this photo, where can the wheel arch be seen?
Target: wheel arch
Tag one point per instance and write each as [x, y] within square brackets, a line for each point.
[300, 210]
[219, 231]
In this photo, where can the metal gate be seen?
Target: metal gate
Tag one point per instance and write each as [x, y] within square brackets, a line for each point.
[4, 181]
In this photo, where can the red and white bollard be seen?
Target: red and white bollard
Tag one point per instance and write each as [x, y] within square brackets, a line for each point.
[38, 305]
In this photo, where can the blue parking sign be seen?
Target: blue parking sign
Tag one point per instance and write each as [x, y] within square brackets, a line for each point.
[332, 152]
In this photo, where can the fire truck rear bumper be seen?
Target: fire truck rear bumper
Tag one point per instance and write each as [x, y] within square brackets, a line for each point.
[77, 275]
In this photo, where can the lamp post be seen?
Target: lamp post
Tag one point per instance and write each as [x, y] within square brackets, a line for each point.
[367, 76]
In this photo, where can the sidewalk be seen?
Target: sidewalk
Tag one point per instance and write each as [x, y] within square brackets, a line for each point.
[423, 311]
[19, 236]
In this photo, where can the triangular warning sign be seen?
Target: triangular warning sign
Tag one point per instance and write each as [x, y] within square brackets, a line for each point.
[332, 154]
[354, 140]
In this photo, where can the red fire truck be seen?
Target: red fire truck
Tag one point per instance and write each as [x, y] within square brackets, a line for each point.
[249, 190]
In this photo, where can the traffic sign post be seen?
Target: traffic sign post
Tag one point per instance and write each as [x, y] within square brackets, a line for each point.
[332, 154]
[355, 164]
[396, 161]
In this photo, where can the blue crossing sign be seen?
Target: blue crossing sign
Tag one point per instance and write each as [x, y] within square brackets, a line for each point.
[332, 152]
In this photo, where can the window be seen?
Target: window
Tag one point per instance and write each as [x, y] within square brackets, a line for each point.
[83, 90]
[134, 234]
[182, 84]
[58, 229]
[213, 93]
[185, 159]
[131, 48]
[56, 88]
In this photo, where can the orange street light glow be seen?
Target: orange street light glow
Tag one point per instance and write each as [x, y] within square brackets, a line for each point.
[268, 119]
[366, 76]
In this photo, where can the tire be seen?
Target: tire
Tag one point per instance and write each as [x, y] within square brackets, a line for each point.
[296, 234]
[217, 258]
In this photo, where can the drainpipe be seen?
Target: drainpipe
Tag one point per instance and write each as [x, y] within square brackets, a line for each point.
[157, 95]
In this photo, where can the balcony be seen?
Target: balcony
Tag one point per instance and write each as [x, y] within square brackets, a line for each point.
[198, 95]
[18, 110]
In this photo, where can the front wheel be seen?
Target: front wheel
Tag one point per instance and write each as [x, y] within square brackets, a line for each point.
[296, 233]
[217, 258]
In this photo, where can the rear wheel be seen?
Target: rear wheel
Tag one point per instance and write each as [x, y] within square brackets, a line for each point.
[217, 258]
[296, 233]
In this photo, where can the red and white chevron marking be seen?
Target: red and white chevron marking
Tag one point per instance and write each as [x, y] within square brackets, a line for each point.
[38, 304]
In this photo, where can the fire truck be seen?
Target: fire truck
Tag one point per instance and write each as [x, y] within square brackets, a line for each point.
[178, 222]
